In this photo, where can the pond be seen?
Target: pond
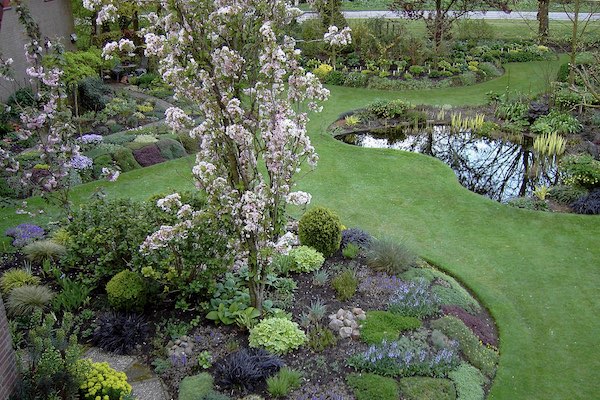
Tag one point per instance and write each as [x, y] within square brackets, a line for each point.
[498, 169]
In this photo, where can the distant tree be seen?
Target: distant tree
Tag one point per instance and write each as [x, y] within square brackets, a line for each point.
[542, 17]
[330, 12]
[439, 21]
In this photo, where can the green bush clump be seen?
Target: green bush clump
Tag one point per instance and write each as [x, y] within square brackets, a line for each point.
[305, 259]
[384, 325]
[103, 161]
[191, 145]
[351, 251]
[277, 335]
[321, 229]
[565, 194]
[371, 386]
[17, 277]
[126, 291]
[106, 236]
[469, 382]
[25, 300]
[44, 250]
[580, 170]
[528, 203]
[195, 387]
[284, 382]
[454, 297]
[426, 388]
[345, 284]
[390, 256]
[171, 149]
[124, 158]
[93, 94]
[563, 72]
[482, 357]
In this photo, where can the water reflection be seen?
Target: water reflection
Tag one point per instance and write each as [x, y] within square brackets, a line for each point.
[497, 169]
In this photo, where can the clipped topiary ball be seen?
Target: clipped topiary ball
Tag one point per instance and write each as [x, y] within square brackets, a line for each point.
[321, 229]
[126, 291]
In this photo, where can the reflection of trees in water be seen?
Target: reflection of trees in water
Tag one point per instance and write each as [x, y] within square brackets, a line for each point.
[497, 169]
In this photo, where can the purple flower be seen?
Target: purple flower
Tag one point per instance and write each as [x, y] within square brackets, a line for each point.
[24, 234]
[81, 162]
[91, 138]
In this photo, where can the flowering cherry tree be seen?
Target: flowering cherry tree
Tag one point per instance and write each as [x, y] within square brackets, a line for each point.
[232, 60]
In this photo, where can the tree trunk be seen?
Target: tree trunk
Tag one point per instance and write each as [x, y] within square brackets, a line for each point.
[574, 43]
[542, 17]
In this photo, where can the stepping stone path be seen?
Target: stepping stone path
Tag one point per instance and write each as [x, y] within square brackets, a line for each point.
[145, 384]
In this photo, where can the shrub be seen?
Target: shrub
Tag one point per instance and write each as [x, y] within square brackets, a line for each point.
[356, 236]
[305, 259]
[425, 388]
[414, 299]
[148, 155]
[356, 79]
[126, 291]
[482, 357]
[100, 162]
[61, 236]
[93, 94]
[322, 71]
[483, 329]
[589, 204]
[247, 368]
[451, 296]
[21, 98]
[25, 300]
[528, 203]
[468, 382]
[171, 149]
[195, 387]
[120, 333]
[345, 284]
[565, 194]
[24, 234]
[335, 78]
[191, 145]
[383, 325]
[390, 256]
[106, 236]
[284, 382]
[321, 229]
[558, 122]
[119, 138]
[416, 70]
[371, 386]
[581, 170]
[145, 139]
[49, 363]
[563, 72]
[351, 251]
[277, 335]
[124, 158]
[17, 277]
[44, 250]
[100, 381]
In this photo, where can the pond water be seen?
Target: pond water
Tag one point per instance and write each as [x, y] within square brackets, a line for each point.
[498, 169]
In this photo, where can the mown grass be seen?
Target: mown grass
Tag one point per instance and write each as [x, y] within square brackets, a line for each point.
[537, 272]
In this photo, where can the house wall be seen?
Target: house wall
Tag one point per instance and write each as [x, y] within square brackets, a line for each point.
[8, 367]
[55, 19]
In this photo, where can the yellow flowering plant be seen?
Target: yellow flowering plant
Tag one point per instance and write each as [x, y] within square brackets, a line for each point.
[101, 382]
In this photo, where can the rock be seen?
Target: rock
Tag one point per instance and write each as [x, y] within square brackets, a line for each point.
[340, 313]
[336, 324]
[349, 315]
[348, 322]
[178, 342]
[361, 317]
[355, 333]
[345, 332]
[333, 316]
[188, 351]
[183, 344]
[353, 325]
[357, 310]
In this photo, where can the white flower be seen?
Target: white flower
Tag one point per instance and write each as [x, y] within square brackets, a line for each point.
[298, 198]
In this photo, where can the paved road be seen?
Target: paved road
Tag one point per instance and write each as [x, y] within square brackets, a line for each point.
[516, 15]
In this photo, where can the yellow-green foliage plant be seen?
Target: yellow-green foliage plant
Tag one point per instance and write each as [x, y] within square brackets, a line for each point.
[277, 335]
[322, 71]
[17, 277]
[101, 382]
[126, 291]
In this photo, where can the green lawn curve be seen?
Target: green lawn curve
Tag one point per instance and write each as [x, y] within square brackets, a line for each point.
[538, 273]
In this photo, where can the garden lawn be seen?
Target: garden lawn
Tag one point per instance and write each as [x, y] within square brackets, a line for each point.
[538, 273]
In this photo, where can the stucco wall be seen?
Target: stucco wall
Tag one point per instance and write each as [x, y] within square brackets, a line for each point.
[55, 19]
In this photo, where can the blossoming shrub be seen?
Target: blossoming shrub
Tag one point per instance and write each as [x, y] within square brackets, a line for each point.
[277, 335]
[101, 382]
[306, 259]
[321, 229]
[126, 291]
